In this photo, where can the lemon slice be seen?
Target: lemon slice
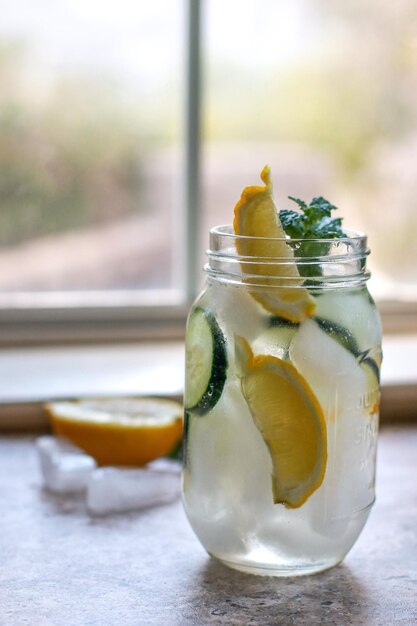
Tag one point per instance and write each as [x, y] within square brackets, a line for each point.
[256, 216]
[290, 420]
[119, 431]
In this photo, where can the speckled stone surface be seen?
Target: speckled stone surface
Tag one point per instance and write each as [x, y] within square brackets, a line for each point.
[60, 567]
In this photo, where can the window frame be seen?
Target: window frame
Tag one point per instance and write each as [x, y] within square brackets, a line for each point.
[398, 317]
[120, 315]
[62, 317]
[145, 315]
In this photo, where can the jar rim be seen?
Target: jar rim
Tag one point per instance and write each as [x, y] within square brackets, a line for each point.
[226, 230]
[332, 262]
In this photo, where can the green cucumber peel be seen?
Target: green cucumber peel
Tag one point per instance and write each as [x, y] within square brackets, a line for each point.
[214, 362]
[339, 333]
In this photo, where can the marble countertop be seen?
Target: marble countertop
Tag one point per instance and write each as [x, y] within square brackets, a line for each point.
[61, 567]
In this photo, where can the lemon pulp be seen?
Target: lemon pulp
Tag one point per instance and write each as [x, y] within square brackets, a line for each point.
[119, 431]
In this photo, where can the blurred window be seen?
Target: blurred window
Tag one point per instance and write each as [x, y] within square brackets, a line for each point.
[91, 112]
[92, 101]
[324, 91]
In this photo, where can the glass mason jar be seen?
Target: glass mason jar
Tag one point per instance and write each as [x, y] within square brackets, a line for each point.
[279, 468]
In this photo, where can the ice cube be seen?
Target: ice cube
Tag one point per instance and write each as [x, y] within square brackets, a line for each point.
[250, 321]
[119, 490]
[65, 468]
[341, 385]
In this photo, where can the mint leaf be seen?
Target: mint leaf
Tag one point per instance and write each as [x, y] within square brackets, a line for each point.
[313, 221]
[293, 223]
[300, 203]
[328, 228]
[320, 207]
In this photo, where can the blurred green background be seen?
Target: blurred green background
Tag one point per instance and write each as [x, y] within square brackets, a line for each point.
[90, 146]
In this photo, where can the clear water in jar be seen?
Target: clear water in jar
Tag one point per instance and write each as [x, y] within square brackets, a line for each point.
[227, 476]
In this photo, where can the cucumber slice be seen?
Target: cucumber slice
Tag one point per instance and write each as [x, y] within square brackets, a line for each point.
[206, 362]
[370, 365]
[280, 322]
[342, 334]
[353, 309]
[185, 439]
[368, 361]
[371, 360]
[276, 338]
[346, 339]
[338, 332]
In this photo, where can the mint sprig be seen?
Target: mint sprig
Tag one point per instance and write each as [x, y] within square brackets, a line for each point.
[313, 221]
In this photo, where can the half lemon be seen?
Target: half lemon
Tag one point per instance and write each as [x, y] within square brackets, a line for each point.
[119, 431]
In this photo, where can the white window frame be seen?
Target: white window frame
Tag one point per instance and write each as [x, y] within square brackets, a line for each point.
[37, 318]
[121, 314]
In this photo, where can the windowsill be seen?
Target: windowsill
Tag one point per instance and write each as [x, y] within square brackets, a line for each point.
[31, 376]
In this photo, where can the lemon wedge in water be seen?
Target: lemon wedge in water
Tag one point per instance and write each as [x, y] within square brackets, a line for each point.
[255, 216]
[290, 420]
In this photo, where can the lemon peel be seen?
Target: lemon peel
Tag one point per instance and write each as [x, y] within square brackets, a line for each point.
[261, 236]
